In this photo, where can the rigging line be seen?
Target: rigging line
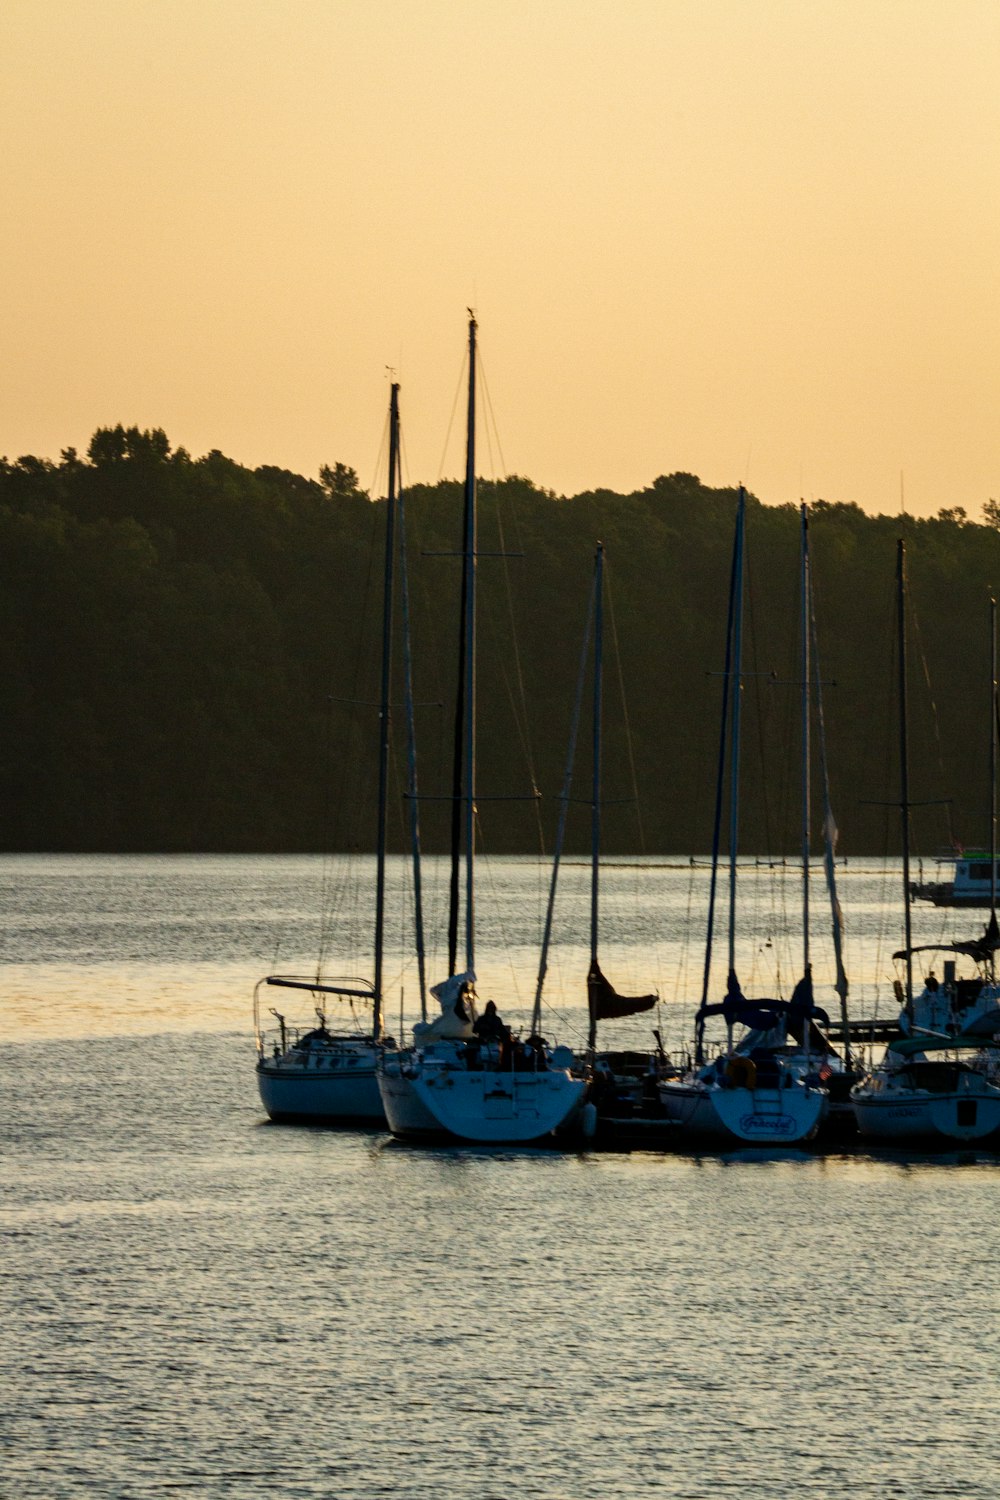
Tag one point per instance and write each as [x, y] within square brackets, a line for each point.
[519, 704]
[564, 802]
[519, 708]
[492, 422]
[755, 655]
[935, 718]
[791, 758]
[781, 712]
[522, 697]
[327, 809]
[830, 833]
[454, 407]
[422, 604]
[517, 700]
[626, 719]
[496, 906]
[382, 460]
[516, 697]
[412, 819]
[333, 891]
[683, 966]
[773, 890]
[884, 905]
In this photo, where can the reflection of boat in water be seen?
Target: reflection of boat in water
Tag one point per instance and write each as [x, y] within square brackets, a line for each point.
[970, 884]
[306, 1072]
[768, 1088]
[462, 1078]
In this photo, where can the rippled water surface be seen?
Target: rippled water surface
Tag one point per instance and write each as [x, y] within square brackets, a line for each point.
[196, 1301]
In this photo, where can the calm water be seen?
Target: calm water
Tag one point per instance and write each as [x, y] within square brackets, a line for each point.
[196, 1301]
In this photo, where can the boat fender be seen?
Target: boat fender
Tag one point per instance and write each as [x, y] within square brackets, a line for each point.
[741, 1073]
[588, 1121]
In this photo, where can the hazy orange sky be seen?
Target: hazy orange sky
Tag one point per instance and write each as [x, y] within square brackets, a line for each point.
[753, 239]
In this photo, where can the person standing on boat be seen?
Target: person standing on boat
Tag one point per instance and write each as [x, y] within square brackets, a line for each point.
[489, 1027]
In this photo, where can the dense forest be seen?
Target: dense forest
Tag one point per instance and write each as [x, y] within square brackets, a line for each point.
[189, 659]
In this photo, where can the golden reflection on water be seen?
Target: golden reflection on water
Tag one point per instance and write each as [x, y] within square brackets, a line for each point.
[103, 946]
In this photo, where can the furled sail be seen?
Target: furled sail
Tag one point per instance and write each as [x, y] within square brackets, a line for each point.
[454, 996]
[606, 1003]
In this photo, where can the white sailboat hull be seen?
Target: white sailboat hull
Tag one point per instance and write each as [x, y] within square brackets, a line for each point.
[405, 1111]
[338, 1087]
[428, 1099]
[901, 1115]
[500, 1107]
[761, 1116]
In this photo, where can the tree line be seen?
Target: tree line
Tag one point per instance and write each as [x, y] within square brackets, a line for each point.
[189, 659]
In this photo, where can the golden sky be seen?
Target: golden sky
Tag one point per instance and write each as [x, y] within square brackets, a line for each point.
[754, 239]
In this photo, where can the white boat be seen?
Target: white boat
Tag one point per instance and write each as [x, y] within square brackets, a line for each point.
[970, 882]
[314, 1075]
[761, 1090]
[451, 1083]
[767, 1116]
[930, 1090]
[306, 1072]
[767, 1088]
[938, 1081]
[952, 1004]
[961, 1004]
[451, 1086]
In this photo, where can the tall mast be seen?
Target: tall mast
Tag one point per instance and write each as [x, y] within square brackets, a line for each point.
[411, 761]
[720, 775]
[734, 765]
[904, 759]
[464, 761]
[993, 774]
[471, 543]
[384, 706]
[829, 838]
[595, 804]
[806, 741]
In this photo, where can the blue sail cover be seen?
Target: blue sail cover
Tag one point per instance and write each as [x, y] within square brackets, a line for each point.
[760, 1015]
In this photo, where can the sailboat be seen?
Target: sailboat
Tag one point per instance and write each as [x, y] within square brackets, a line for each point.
[314, 1073]
[807, 1048]
[940, 1081]
[957, 1005]
[457, 1081]
[762, 1090]
[623, 1084]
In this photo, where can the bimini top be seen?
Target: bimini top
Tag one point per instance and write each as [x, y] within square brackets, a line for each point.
[912, 1046]
[978, 949]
